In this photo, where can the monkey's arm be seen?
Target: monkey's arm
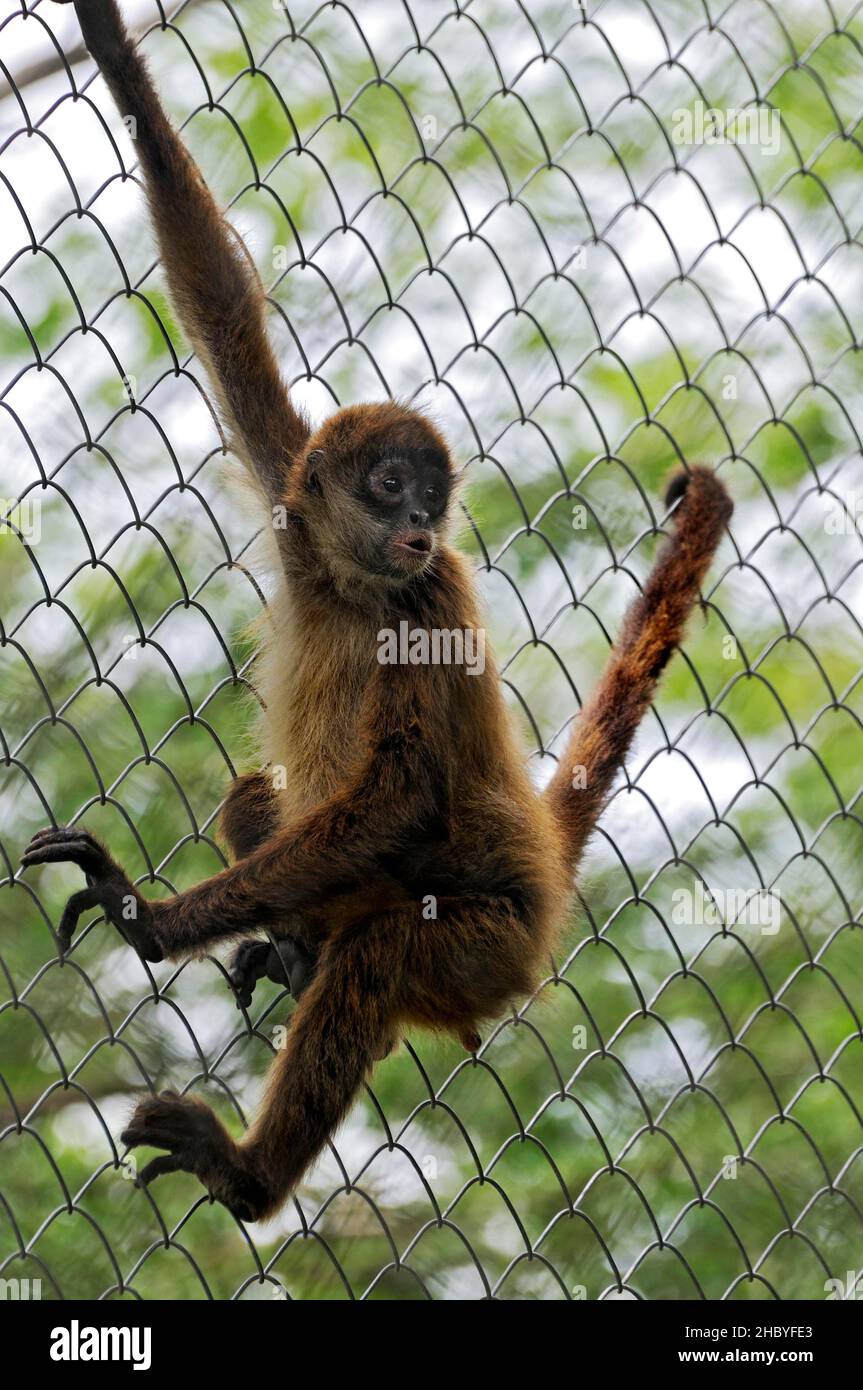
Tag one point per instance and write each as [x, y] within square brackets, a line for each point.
[213, 283]
[338, 851]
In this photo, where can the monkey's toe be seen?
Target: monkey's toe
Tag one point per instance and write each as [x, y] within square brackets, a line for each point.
[181, 1124]
[286, 963]
[165, 1163]
[247, 965]
[197, 1143]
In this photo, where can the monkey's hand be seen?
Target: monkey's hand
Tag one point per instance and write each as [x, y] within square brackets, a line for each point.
[107, 887]
[286, 963]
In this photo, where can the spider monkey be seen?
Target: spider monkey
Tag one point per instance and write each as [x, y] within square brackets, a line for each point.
[406, 783]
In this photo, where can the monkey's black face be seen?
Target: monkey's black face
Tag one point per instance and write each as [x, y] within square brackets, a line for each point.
[406, 492]
[374, 493]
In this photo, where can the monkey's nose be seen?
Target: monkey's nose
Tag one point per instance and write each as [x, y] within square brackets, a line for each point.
[419, 519]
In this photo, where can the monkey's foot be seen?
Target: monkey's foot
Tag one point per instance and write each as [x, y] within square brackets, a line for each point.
[197, 1143]
[287, 963]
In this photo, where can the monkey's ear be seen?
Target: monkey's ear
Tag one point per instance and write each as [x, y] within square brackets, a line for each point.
[313, 482]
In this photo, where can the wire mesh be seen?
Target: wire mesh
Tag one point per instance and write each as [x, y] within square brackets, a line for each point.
[526, 218]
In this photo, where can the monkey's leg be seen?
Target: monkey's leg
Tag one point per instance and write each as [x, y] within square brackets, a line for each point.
[342, 1022]
[472, 962]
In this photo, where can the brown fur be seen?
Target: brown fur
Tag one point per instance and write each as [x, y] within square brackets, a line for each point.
[652, 628]
[401, 783]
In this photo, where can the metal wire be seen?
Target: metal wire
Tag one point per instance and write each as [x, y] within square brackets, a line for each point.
[482, 208]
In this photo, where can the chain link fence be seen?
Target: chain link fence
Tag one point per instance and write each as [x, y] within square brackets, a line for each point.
[595, 241]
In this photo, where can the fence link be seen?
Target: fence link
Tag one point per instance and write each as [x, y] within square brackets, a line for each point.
[594, 240]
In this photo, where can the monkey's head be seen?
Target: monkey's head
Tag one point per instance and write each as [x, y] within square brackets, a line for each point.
[373, 489]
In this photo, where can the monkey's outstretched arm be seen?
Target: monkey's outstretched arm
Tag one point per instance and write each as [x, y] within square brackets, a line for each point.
[213, 283]
[330, 852]
[339, 851]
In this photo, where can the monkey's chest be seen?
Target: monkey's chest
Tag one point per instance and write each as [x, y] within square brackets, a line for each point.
[313, 726]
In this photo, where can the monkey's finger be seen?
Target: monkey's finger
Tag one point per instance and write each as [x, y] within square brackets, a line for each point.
[81, 852]
[48, 849]
[64, 832]
[245, 969]
[165, 1163]
[78, 903]
[72, 852]
[48, 830]
[242, 982]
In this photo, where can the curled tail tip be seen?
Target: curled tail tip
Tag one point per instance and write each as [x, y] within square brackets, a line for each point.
[704, 490]
[677, 487]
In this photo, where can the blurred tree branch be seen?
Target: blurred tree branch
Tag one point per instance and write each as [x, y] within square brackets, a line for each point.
[47, 67]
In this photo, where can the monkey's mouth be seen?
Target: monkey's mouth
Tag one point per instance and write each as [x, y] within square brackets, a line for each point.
[415, 543]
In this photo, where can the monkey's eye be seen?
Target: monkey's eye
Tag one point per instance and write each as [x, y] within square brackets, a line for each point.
[391, 485]
[433, 494]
